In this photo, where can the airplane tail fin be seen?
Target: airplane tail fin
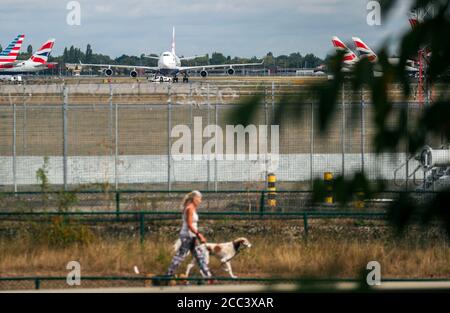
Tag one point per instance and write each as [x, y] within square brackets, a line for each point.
[413, 18]
[12, 51]
[339, 45]
[364, 50]
[173, 40]
[41, 56]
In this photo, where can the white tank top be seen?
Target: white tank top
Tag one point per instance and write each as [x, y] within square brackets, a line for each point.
[185, 231]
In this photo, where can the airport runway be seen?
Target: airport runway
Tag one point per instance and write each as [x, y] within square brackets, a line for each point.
[96, 90]
[336, 287]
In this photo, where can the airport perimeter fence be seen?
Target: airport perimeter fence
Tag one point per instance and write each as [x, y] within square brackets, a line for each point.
[122, 137]
[132, 201]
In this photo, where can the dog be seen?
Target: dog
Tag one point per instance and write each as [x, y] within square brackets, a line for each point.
[223, 251]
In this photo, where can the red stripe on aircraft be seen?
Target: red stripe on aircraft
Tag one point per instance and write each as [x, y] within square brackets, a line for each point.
[37, 60]
[359, 44]
[48, 45]
[349, 57]
[339, 44]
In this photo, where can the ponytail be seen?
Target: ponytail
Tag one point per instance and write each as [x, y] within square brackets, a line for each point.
[188, 198]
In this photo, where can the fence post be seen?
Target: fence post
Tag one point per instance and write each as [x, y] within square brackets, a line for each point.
[116, 143]
[14, 148]
[24, 122]
[216, 121]
[117, 204]
[362, 130]
[262, 203]
[65, 102]
[169, 127]
[343, 130]
[311, 147]
[407, 150]
[141, 227]
[110, 121]
[208, 162]
[273, 99]
[305, 224]
[37, 283]
[266, 122]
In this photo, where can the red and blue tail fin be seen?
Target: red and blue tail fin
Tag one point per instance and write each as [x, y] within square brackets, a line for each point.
[41, 56]
[364, 50]
[349, 56]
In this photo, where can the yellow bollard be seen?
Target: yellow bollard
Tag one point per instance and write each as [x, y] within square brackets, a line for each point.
[359, 202]
[328, 181]
[271, 188]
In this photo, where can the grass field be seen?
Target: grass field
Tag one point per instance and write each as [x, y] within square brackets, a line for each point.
[333, 249]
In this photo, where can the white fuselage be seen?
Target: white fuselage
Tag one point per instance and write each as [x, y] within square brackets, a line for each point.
[168, 63]
[24, 67]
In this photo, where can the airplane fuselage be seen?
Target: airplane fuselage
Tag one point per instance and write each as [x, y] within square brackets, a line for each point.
[22, 67]
[169, 63]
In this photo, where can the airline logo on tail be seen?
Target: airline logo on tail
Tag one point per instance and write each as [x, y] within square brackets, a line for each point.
[11, 52]
[364, 50]
[41, 56]
[349, 56]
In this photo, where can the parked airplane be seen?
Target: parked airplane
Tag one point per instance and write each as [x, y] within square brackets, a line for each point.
[365, 51]
[9, 55]
[169, 65]
[350, 58]
[37, 62]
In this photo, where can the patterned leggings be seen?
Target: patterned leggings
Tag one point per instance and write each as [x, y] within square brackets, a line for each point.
[189, 244]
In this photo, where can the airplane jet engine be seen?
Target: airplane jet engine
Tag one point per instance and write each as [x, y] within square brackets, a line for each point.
[133, 74]
[108, 72]
[230, 71]
[203, 73]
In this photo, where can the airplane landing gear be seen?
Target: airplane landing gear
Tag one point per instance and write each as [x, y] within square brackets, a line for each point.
[185, 78]
[175, 79]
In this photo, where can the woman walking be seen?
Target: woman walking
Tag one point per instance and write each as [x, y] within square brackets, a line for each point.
[190, 237]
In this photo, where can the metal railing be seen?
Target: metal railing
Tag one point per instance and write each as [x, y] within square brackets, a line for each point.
[36, 282]
[163, 200]
[142, 217]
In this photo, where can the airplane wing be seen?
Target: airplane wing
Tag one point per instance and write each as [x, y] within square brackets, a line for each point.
[132, 67]
[204, 67]
[192, 57]
[151, 57]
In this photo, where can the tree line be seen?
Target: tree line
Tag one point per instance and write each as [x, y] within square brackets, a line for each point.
[76, 55]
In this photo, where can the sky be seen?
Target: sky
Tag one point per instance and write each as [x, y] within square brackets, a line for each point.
[243, 28]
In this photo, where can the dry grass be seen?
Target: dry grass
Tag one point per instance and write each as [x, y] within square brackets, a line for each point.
[322, 257]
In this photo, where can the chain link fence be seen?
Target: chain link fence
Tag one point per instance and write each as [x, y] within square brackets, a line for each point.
[119, 136]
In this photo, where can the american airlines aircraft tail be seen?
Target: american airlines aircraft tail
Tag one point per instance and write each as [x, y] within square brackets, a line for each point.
[9, 55]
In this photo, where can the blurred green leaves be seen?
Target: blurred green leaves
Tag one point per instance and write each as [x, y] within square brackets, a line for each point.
[432, 38]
